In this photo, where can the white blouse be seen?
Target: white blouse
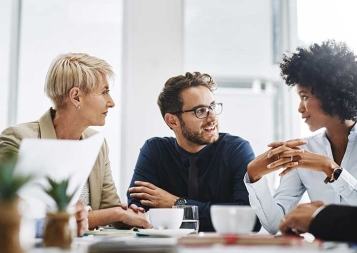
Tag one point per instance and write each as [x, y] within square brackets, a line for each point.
[85, 194]
[271, 209]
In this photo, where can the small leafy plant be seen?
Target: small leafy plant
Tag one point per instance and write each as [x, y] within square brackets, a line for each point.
[58, 192]
[10, 184]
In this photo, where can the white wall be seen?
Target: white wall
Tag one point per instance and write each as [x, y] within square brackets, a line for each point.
[5, 24]
[230, 38]
[233, 40]
[248, 114]
[153, 51]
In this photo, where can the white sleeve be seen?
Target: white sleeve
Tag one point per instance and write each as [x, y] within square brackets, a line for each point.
[346, 186]
[271, 209]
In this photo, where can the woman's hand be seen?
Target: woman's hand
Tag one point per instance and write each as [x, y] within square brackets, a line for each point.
[312, 161]
[290, 143]
[130, 218]
[306, 159]
[81, 215]
[136, 208]
[280, 155]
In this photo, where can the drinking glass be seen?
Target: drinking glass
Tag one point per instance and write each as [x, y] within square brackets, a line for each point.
[190, 217]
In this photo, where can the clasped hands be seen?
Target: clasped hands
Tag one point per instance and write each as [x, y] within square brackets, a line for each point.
[280, 155]
[288, 155]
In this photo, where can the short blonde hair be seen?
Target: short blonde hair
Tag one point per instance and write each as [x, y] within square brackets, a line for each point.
[74, 70]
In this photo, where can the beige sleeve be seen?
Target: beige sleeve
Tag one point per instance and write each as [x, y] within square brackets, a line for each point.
[9, 143]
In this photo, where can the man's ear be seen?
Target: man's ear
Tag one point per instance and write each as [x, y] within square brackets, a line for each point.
[74, 96]
[172, 120]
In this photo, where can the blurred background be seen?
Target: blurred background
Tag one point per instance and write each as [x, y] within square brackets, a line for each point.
[238, 42]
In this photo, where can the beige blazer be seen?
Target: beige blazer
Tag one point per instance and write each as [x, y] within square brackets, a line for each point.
[103, 193]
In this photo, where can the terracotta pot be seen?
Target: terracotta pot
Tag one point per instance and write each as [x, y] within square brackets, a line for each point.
[58, 231]
[10, 219]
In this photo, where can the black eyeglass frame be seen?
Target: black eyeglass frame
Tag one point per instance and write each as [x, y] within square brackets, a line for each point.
[208, 108]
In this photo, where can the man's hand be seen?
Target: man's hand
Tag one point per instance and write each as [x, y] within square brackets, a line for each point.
[152, 196]
[81, 217]
[298, 220]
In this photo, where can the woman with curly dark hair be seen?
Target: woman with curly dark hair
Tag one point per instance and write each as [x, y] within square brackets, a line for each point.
[325, 78]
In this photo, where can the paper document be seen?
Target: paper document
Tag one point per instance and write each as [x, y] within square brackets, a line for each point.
[59, 160]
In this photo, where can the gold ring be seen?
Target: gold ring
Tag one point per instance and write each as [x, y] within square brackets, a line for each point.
[295, 231]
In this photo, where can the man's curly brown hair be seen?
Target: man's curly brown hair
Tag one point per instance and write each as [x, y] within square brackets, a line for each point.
[330, 71]
[170, 97]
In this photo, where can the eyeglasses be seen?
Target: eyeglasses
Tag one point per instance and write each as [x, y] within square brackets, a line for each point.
[202, 112]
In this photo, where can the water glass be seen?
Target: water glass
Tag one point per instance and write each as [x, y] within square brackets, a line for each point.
[190, 217]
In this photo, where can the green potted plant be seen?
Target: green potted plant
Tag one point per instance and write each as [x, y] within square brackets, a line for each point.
[10, 216]
[58, 231]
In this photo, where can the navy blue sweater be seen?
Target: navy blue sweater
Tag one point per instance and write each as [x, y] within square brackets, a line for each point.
[222, 166]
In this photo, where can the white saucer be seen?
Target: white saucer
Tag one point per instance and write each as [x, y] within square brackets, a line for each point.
[164, 232]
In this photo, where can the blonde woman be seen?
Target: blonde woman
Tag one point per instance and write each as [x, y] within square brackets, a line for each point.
[78, 87]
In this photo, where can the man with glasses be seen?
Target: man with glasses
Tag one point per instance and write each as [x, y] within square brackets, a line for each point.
[200, 166]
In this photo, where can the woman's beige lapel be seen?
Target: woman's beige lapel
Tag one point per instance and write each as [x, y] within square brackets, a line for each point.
[103, 193]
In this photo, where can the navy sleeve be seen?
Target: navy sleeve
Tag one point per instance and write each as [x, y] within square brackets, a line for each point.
[144, 171]
[240, 156]
[335, 223]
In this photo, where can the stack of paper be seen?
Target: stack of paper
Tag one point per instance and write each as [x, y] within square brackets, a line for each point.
[59, 160]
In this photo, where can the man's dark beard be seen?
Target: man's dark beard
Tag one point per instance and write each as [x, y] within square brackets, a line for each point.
[194, 137]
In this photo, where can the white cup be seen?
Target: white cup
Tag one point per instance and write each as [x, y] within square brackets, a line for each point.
[165, 218]
[228, 219]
